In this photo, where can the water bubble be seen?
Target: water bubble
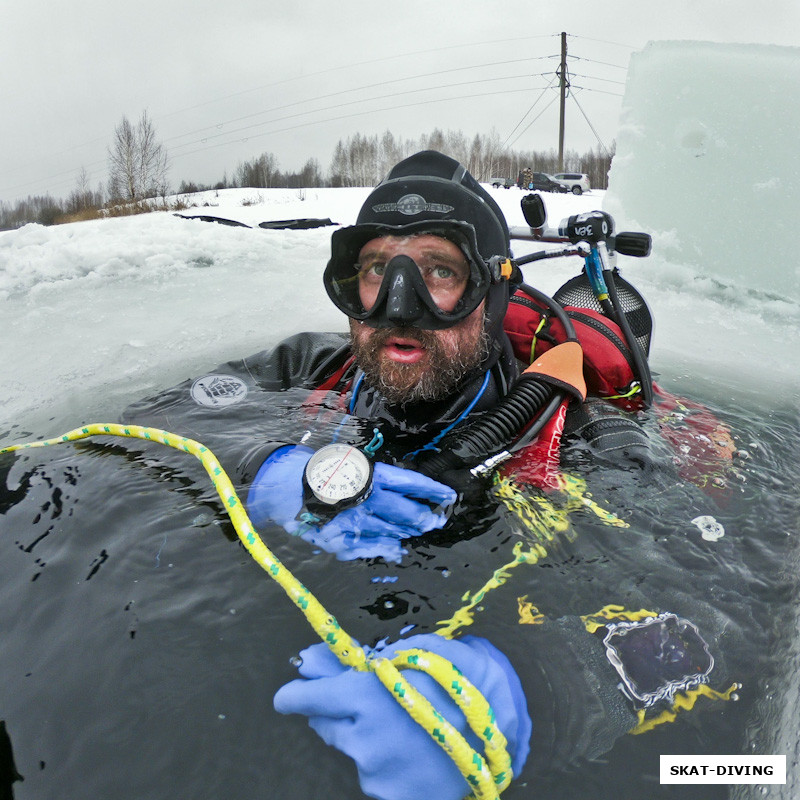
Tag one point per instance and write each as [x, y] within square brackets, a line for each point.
[710, 529]
[388, 604]
[296, 661]
[445, 573]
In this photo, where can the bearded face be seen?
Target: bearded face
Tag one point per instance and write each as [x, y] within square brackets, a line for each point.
[408, 364]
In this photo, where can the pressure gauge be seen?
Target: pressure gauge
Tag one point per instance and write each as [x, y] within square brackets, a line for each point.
[337, 476]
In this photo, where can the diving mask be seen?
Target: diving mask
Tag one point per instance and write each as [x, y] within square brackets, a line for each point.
[386, 290]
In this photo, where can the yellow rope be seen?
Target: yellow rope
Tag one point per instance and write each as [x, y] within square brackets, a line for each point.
[541, 520]
[486, 781]
[593, 622]
[682, 702]
[465, 615]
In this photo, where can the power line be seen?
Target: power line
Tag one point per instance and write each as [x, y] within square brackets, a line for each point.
[593, 78]
[217, 126]
[351, 103]
[522, 133]
[603, 63]
[229, 133]
[358, 89]
[528, 112]
[604, 41]
[568, 89]
[597, 91]
[588, 122]
[357, 114]
[370, 62]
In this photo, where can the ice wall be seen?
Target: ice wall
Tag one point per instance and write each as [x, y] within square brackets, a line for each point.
[708, 162]
[708, 158]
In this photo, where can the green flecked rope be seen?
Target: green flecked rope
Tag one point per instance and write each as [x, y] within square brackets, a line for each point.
[487, 780]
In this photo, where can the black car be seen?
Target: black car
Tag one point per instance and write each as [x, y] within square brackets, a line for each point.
[544, 183]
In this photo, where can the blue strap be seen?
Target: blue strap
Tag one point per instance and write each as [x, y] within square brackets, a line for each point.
[436, 439]
[356, 387]
[373, 445]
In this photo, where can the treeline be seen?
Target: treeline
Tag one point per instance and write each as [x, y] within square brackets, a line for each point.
[357, 161]
[364, 160]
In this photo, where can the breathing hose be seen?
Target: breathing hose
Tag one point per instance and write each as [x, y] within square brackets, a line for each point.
[492, 433]
[497, 430]
[639, 359]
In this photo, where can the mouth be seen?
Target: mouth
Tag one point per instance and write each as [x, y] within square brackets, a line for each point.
[403, 350]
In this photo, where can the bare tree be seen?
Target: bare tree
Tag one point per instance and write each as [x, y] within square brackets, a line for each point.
[122, 161]
[153, 160]
[137, 161]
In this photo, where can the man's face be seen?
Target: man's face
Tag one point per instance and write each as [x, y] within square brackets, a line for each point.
[408, 364]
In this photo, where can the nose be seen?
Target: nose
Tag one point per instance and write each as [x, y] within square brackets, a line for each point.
[403, 304]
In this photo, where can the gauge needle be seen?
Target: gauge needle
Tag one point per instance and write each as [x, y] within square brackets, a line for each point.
[344, 458]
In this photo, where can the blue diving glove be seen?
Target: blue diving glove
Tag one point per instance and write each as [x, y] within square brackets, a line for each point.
[396, 759]
[396, 509]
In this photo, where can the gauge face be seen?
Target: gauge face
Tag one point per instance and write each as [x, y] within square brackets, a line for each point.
[338, 472]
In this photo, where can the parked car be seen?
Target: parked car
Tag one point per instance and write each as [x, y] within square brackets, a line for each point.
[544, 183]
[576, 182]
[506, 183]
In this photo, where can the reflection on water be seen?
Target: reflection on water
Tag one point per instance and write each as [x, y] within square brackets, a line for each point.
[142, 646]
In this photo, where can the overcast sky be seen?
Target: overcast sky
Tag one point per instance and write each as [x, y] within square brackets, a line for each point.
[224, 82]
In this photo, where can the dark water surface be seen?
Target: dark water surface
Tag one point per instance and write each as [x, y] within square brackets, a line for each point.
[142, 646]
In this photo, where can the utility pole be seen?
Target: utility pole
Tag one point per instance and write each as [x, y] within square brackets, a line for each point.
[562, 73]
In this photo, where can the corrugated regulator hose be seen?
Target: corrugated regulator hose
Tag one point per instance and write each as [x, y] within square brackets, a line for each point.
[493, 432]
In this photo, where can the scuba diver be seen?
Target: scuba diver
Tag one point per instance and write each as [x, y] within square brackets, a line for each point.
[425, 277]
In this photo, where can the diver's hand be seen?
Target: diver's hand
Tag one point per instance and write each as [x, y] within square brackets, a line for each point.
[276, 493]
[399, 506]
[396, 759]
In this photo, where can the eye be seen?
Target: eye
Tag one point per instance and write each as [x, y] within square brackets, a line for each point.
[443, 273]
[371, 269]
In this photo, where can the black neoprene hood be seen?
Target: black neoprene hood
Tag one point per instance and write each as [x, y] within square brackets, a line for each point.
[430, 186]
[427, 193]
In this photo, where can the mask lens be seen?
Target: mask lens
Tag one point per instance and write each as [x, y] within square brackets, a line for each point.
[445, 277]
[442, 269]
